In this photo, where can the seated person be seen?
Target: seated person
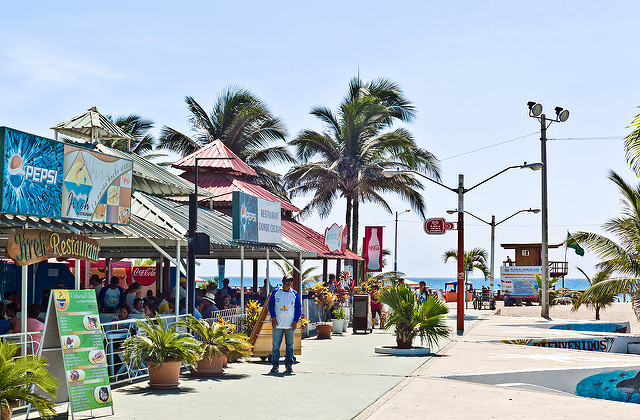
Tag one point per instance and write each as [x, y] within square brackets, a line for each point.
[33, 325]
[12, 315]
[124, 313]
[226, 302]
[111, 298]
[150, 308]
[5, 327]
[163, 306]
[207, 306]
[138, 306]
[183, 308]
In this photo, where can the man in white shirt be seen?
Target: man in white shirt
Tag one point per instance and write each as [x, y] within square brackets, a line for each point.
[285, 309]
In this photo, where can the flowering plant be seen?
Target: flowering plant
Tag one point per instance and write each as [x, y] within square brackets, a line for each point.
[303, 321]
[341, 293]
[324, 298]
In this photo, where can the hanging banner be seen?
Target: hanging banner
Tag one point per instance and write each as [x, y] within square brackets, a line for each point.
[146, 275]
[373, 248]
[47, 178]
[255, 219]
[30, 246]
[73, 326]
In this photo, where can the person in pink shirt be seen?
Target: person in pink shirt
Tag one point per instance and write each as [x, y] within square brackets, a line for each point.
[33, 325]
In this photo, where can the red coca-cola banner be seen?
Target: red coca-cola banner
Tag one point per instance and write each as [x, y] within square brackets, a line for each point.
[373, 248]
[146, 275]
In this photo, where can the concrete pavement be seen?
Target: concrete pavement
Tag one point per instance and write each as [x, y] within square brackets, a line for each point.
[343, 378]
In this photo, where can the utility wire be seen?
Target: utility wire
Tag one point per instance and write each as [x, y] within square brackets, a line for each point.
[490, 146]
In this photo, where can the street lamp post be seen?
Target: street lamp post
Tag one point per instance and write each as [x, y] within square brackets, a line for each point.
[562, 115]
[460, 191]
[493, 225]
[395, 249]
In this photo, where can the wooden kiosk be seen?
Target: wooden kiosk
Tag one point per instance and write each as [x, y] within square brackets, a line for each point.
[261, 337]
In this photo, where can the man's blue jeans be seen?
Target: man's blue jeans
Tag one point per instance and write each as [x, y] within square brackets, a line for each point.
[277, 342]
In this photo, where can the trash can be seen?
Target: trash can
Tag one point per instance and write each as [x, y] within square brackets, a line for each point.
[362, 313]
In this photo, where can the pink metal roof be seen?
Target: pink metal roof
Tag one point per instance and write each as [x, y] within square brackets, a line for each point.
[221, 185]
[228, 162]
[307, 238]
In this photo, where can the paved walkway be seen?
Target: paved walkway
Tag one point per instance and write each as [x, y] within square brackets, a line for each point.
[343, 378]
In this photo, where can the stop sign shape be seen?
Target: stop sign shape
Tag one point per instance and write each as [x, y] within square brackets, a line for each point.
[435, 226]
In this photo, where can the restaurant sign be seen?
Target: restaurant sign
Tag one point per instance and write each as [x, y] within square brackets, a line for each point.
[29, 246]
[48, 178]
[255, 219]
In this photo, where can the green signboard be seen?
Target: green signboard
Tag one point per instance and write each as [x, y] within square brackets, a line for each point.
[83, 353]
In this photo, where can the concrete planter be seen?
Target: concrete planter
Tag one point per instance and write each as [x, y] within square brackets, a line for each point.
[338, 326]
[395, 351]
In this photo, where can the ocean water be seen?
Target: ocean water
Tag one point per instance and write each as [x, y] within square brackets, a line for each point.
[432, 282]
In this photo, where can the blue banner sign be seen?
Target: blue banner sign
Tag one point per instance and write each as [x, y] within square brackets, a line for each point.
[255, 219]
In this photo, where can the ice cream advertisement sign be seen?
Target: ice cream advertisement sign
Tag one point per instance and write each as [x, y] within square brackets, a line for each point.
[96, 187]
[47, 178]
[335, 238]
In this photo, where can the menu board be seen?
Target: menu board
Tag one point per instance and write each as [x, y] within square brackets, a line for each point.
[81, 340]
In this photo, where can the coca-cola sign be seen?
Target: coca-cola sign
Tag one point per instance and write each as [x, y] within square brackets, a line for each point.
[146, 275]
[373, 248]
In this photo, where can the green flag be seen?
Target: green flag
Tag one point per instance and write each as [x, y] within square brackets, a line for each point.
[571, 243]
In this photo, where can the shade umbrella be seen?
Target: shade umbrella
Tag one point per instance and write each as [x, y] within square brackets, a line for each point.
[92, 126]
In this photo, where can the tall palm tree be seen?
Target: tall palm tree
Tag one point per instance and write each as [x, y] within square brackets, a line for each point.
[596, 300]
[244, 123]
[473, 259]
[632, 145]
[621, 257]
[137, 127]
[347, 158]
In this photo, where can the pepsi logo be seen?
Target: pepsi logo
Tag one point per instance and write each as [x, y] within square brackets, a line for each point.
[16, 171]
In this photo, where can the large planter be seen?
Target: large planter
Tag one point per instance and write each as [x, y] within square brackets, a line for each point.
[213, 367]
[324, 329]
[5, 413]
[165, 377]
[338, 325]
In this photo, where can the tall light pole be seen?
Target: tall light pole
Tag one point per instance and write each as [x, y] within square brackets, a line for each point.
[562, 115]
[395, 249]
[493, 225]
[460, 191]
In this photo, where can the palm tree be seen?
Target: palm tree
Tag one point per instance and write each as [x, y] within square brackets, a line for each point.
[347, 158]
[622, 257]
[287, 270]
[411, 319]
[473, 259]
[137, 127]
[244, 124]
[632, 146]
[596, 300]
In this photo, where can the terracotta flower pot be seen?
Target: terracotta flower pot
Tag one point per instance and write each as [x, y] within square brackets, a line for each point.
[213, 367]
[324, 329]
[5, 413]
[164, 377]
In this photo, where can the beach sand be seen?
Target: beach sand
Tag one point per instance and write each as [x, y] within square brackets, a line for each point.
[618, 311]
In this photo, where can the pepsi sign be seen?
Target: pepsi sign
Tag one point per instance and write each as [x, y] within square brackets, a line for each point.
[32, 174]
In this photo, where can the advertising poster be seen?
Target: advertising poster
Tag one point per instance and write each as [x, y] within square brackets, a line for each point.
[85, 360]
[256, 219]
[32, 174]
[96, 187]
[373, 248]
[47, 178]
[519, 281]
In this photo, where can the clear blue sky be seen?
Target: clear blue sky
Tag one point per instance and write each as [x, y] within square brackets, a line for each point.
[469, 67]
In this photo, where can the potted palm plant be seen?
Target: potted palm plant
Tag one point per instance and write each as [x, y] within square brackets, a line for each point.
[410, 318]
[217, 341]
[18, 379]
[324, 300]
[163, 350]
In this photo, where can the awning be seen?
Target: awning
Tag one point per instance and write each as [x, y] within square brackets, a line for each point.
[174, 215]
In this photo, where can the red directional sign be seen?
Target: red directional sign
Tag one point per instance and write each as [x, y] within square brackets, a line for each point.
[437, 226]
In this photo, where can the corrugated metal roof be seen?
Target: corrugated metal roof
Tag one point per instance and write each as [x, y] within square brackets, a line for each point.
[308, 238]
[222, 185]
[174, 215]
[91, 122]
[154, 179]
[218, 157]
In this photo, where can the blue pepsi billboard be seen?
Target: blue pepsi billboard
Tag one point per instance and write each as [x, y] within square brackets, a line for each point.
[32, 169]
